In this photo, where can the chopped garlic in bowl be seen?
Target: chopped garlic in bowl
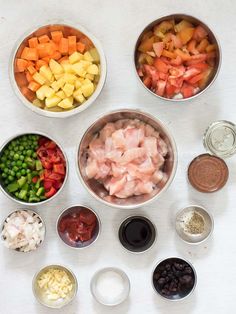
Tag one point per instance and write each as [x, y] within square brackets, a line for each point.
[55, 286]
[23, 231]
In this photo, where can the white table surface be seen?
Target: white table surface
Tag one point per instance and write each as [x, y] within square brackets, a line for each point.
[117, 24]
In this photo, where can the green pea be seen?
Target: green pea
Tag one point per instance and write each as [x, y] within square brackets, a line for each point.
[34, 155]
[23, 172]
[11, 154]
[13, 163]
[10, 178]
[15, 168]
[6, 170]
[19, 163]
[18, 174]
[24, 165]
[22, 157]
[29, 152]
[16, 156]
[4, 175]
[21, 148]
[4, 158]
[28, 170]
[12, 173]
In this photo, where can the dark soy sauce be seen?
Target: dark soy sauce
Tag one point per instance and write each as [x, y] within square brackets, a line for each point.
[137, 234]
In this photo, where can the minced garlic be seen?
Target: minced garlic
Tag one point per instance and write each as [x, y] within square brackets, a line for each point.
[55, 283]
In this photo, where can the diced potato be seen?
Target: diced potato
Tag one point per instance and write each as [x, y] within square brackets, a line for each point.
[95, 55]
[79, 98]
[89, 76]
[85, 64]
[58, 84]
[44, 91]
[69, 78]
[75, 57]
[87, 89]
[86, 81]
[46, 72]
[58, 76]
[77, 84]
[52, 101]
[61, 94]
[88, 57]
[92, 69]
[66, 103]
[68, 89]
[38, 103]
[55, 67]
[79, 69]
[39, 78]
[68, 68]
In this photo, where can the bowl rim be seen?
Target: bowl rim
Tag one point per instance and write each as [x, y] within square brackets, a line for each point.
[89, 101]
[63, 267]
[117, 270]
[195, 278]
[7, 141]
[154, 228]
[211, 219]
[165, 17]
[31, 211]
[175, 159]
[98, 220]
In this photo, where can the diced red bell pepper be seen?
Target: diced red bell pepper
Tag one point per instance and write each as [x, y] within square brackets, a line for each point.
[51, 192]
[55, 176]
[35, 179]
[59, 168]
[47, 184]
[46, 164]
[50, 145]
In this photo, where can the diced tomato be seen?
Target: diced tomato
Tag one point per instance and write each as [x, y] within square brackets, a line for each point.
[160, 65]
[57, 184]
[160, 87]
[158, 48]
[46, 164]
[177, 82]
[147, 81]
[47, 184]
[170, 90]
[176, 61]
[177, 71]
[196, 78]
[51, 192]
[199, 33]
[163, 76]
[187, 90]
[190, 73]
[176, 41]
[55, 176]
[50, 145]
[59, 168]
[192, 47]
[197, 59]
[42, 140]
[200, 66]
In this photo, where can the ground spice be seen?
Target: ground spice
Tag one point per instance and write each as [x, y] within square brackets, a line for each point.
[196, 224]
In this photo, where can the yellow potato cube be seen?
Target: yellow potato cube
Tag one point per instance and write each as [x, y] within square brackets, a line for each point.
[69, 78]
[58, 84]
[89, 76]
[38, 103]
[79, 69]
[55, 67]
[52, 101]
[86, 81]
[85, 64]
[46, 72]
[68, 68]
[39, 78]
[66, 103]
[95, 55]
[88, 57]
[92, 69]
[78, 96]
[61, 94]
[68, 89]
[87, 89]
[75, 57]
[44, 91]
[77, 84]
[58, 76]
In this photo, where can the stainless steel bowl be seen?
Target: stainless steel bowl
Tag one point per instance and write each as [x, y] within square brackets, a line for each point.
[95, 188]
[195, 21]
[33, 212]
[41, 297]
[65, 179]
[181, 298]
[99, 298]
[78, 245]
[70, 30]
[183, 215]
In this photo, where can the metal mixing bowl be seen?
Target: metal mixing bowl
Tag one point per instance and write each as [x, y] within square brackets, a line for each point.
[69, 30]
[65, 179]
[194, 21]
[96, 189]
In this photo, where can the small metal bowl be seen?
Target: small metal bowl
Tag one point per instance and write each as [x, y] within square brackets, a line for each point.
[194, 21]
[68, 29]
[42, 298]
[79, 244]
[184, 215]
[96, 189]
[65, 179]
[176, 297]
[99, 298]
[130, 247]
[33, 213]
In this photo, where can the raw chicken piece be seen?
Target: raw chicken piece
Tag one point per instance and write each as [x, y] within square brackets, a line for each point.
[127, 157]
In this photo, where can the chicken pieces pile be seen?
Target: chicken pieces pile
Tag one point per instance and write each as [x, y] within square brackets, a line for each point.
[127, 157]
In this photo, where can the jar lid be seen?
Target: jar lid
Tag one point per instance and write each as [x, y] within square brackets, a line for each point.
[220, 139]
